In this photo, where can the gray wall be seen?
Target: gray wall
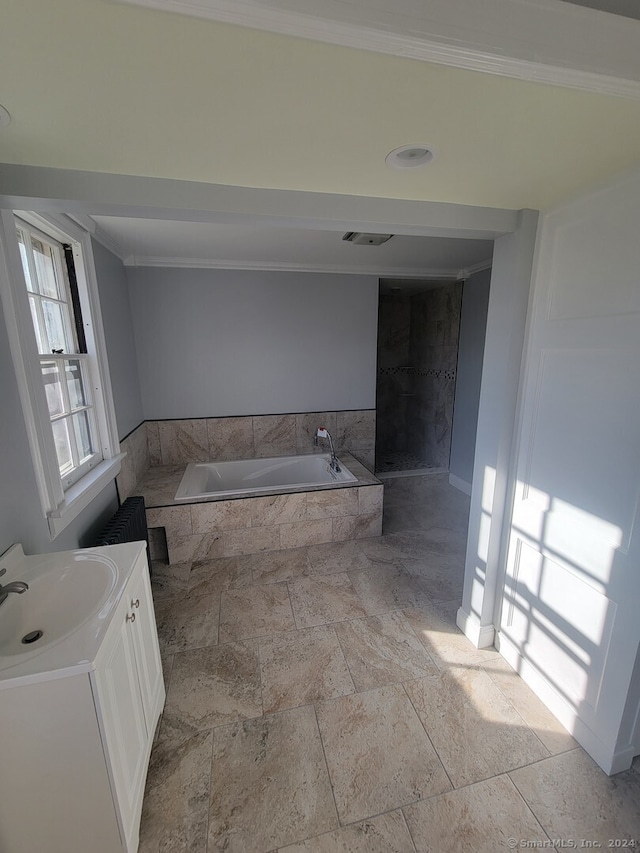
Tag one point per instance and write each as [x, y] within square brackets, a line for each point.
[118, 329]
[473, 327]
[216, 343]
[21, 516]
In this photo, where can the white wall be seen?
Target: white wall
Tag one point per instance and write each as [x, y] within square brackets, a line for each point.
[506, 323]
[118, 330]
[215, 343]
[473, 327]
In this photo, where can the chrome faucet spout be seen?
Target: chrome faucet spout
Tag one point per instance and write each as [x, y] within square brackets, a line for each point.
[334, 465]
[15, 586]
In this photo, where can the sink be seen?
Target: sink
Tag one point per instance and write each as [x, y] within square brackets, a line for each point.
[66, 591]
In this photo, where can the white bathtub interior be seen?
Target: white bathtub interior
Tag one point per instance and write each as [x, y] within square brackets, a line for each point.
[248, 476]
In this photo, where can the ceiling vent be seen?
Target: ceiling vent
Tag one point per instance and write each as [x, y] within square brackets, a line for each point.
[361, 239]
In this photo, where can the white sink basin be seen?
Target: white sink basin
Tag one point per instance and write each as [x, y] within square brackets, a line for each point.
[59, 601]
[58, 621]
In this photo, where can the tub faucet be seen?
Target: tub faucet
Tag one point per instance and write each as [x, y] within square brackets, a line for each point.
[14, 586]
[324, 433]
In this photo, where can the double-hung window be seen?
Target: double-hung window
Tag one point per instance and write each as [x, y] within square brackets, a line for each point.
[50, 279]
[50, 299]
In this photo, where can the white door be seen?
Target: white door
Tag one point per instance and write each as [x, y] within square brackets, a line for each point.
[569, 619]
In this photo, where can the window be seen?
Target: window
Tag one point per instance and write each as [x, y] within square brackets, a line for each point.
[50, 299]
[48, 272]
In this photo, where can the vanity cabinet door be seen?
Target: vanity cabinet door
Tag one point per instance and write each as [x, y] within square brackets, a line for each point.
[147, 652]
[122, 716]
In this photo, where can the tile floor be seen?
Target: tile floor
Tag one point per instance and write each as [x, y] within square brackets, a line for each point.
[397, 460]
[322, 699]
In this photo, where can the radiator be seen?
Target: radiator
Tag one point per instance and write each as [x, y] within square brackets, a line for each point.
[128, 524]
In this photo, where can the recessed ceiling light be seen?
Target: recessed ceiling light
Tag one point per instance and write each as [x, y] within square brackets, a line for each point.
[5, 118]
[410, 156]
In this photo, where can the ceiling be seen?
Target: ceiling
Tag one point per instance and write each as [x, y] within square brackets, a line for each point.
[120, 89]
[149, 242]
[626, 8]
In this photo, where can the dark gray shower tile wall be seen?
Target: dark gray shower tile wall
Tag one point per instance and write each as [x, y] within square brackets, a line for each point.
[435, 327]
[394, 378]
[417, 358]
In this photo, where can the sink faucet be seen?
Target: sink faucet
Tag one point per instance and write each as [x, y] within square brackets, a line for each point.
[324, 433]
[14, 586]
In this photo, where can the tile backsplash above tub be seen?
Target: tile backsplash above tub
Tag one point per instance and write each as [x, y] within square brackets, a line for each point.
[177, 442]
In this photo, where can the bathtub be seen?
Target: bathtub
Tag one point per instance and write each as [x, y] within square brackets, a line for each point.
[255, 476]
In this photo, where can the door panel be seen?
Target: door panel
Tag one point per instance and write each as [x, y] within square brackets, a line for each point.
[572, 583]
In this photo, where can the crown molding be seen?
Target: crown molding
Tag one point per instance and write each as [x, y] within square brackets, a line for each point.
[452, 274]
[467, 272]
[107, 241]
[581, 48]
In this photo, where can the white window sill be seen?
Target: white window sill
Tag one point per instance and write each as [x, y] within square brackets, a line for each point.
[80, 495]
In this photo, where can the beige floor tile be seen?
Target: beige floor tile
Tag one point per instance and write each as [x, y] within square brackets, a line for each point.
[382, 650]
[176, 802]
[398, 518]
[378, 754]
[439, 575]
[444, 641]
[302, 667]
[211, 576]
[323, 599]
[475, 730]
[169, 580]
[387, 587]
[255, 611]
[270, 785]
[480, 819]
[535, 714]
[278, 566]
[442, 514]
[167, 666]
[210, 687]
[187, 622]
[337, 557]
[414, 544]
[381, 549]
[573, 798]
[386, 833]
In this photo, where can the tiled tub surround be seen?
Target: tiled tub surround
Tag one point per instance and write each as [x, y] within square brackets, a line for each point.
[204, 529]
[135, 463]
[224, 439]
[158, 443]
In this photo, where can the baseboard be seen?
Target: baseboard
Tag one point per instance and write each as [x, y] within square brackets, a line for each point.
[611, 760]
[459, 483]
[482, 636]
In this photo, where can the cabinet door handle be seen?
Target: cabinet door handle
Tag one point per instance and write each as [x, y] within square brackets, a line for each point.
[136, 603]
[131, 617]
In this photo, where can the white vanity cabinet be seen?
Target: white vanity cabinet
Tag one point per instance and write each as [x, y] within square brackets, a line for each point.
[75, 742]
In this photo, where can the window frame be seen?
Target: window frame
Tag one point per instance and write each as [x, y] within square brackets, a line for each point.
[59, 506]
[75, 348]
